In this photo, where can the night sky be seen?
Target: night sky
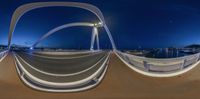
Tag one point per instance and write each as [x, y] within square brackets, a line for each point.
[133, 24]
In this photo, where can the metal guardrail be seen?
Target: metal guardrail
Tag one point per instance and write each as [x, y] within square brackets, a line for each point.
[45, 82]
[159, 65]
[64, 52]
[3, 54]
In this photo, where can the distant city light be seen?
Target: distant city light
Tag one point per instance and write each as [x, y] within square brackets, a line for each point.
[31, 48]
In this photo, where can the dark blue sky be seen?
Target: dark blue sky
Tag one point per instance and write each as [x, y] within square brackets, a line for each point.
[133, 23]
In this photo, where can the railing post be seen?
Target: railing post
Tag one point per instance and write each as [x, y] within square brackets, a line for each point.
[126, 58]
[198, 56]
[182, 66]
[22, 74]
[146, 65]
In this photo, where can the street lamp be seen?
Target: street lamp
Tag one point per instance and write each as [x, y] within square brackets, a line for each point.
[99, 24]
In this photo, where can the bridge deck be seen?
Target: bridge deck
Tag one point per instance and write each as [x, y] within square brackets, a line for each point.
[119, 82]
[60, 66]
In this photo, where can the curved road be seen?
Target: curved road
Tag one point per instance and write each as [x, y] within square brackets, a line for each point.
[61, 75]
[119, 82]
[60, 66]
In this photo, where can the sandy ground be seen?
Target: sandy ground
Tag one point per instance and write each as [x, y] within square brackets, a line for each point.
[120, 82]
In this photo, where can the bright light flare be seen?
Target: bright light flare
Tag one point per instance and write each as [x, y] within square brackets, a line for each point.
[31, 48]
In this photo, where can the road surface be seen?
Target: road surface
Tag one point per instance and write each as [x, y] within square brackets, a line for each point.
[120, 82]
[60, 66]
[61, 75]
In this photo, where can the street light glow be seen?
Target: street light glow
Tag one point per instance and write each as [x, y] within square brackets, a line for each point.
[31, 48]
[99, 24]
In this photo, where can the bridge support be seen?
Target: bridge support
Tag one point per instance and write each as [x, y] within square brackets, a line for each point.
[97, 39]
[94, 36]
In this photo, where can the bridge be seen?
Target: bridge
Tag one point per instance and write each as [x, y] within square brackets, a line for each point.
[39, 69]
[66, 72]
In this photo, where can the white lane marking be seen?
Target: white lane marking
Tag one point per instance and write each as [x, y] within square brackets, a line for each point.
[54, 74]
[61, 84]
[63, 57]
[64, 52]
[64, 90]
[150, 74]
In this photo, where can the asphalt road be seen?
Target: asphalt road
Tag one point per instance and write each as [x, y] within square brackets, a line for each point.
[61, 66]
[64, 55]
[72, 70]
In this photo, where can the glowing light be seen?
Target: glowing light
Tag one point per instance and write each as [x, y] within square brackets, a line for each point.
[100, 23]
[31, 48]
[95, 24]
